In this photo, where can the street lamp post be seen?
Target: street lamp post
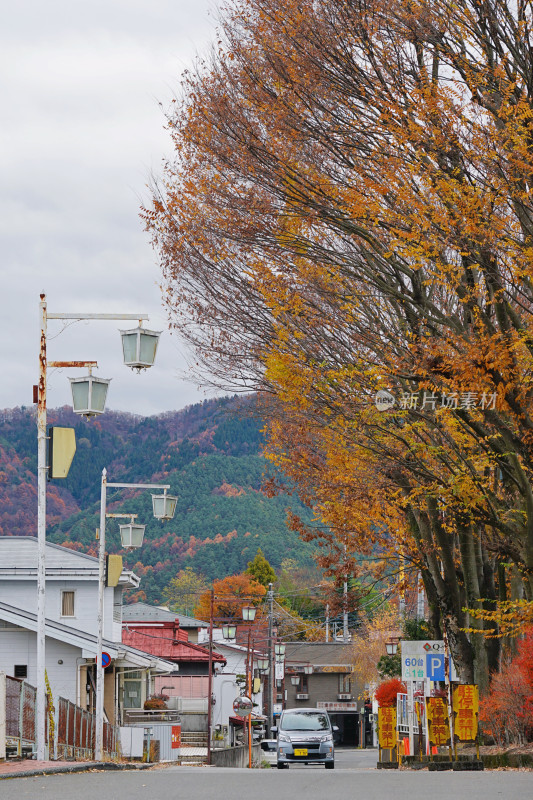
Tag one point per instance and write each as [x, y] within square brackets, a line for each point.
[248, 615]
[40, 710]
[130, 542]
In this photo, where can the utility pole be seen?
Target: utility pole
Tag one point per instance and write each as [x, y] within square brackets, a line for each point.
[210, 674]
[270, 676]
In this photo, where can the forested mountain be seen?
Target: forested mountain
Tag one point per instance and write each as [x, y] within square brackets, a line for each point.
[209, 453]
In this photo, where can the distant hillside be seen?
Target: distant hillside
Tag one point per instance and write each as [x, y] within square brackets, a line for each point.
[208, 453]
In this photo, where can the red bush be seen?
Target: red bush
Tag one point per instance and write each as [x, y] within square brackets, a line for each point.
[506, 712]
[387, 691]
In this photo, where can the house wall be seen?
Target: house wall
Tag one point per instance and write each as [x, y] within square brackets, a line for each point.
[23, 594]
[18, 646]
[323, 686]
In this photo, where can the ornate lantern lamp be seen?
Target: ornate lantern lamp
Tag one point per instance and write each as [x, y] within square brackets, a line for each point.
[229, 631]
[89, 394]
[132, 534]
[295, 680]
[279, 649]
[308, 669]
[248, 613]
[139, 347]
[262, 664]
[164, 505]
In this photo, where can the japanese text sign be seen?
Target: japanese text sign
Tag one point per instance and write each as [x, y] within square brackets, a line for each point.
[465, 712]
[438, 722]
[387, 727]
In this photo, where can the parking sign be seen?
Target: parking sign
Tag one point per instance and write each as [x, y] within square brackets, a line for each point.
[435, 667]
[421, 660]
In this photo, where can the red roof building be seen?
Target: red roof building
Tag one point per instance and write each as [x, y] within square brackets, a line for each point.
[166, 640]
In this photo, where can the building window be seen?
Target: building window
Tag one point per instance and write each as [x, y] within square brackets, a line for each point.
[344, 684]
[20, 671]
[67, 604]
[303, 686]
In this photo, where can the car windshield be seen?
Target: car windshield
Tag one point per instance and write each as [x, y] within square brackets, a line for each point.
[305, 721]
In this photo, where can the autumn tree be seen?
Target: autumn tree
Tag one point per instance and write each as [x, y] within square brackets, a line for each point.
[183, 591]
[349, 211]
[230, 595]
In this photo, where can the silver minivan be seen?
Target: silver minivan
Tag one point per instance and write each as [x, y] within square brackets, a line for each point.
[305, 736]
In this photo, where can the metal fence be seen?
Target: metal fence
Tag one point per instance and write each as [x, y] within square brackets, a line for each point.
[70, 729]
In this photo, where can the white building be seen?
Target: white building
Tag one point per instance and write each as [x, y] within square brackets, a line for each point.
[71, 627]
[227, 686]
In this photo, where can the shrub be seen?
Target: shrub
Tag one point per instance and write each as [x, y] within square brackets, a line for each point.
[387, 691]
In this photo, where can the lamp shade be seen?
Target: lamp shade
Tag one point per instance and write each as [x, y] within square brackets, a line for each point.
[164, 505]
[308, 669]
[89, 395]
[392, 648]
[229, 631]
[132, 535]
[248, 613]
[139, 347]
[295, 680]
[262, 663]
[279, 649]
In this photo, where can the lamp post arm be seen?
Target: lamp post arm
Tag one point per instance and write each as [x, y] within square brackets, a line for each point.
[138, 486]
[60, 315]
[72, 364]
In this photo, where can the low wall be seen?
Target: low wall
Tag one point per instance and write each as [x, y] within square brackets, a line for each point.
[193, 723]
[235, 756]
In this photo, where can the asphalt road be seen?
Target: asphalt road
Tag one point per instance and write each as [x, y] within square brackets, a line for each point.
[354, 777]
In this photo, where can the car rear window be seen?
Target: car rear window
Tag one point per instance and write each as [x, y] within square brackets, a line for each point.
[270, 746]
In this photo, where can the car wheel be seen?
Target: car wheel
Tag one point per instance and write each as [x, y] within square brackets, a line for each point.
[330, 765]
[281, 765]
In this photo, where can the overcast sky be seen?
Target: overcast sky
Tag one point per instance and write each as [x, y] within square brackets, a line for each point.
[81, 132]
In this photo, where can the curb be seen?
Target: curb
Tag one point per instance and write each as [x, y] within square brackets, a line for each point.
[101, 766]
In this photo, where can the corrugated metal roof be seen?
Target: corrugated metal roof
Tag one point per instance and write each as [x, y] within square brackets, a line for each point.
[143, 612]
[20, 552]
[320, 654]
[18, 556]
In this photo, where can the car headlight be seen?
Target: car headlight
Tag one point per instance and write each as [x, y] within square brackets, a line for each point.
[327, 739]
[282, 737]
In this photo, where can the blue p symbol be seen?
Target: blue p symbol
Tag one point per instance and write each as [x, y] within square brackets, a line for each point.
[435, 666]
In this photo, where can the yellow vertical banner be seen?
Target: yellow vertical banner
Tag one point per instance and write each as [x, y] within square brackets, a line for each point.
[465, 712]
[387, 728]
[438, 722]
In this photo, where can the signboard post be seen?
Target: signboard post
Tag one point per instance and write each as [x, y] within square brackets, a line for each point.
[465, 713]
[387, 736]
[438, 722]
[424, 661]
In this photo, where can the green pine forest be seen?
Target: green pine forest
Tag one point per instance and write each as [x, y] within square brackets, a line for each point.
[209, 453]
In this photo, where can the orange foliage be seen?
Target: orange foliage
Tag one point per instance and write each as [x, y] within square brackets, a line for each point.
[350, 210]
[231, 594]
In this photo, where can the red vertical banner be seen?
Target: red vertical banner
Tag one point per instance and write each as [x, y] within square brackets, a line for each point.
[176, 737]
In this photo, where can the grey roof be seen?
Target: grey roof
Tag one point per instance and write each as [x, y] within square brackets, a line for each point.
[79, 638]
[320, 654]
[20, 552]
[143, 612]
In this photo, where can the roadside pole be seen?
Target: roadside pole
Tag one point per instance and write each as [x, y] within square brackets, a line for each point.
[270, 676]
